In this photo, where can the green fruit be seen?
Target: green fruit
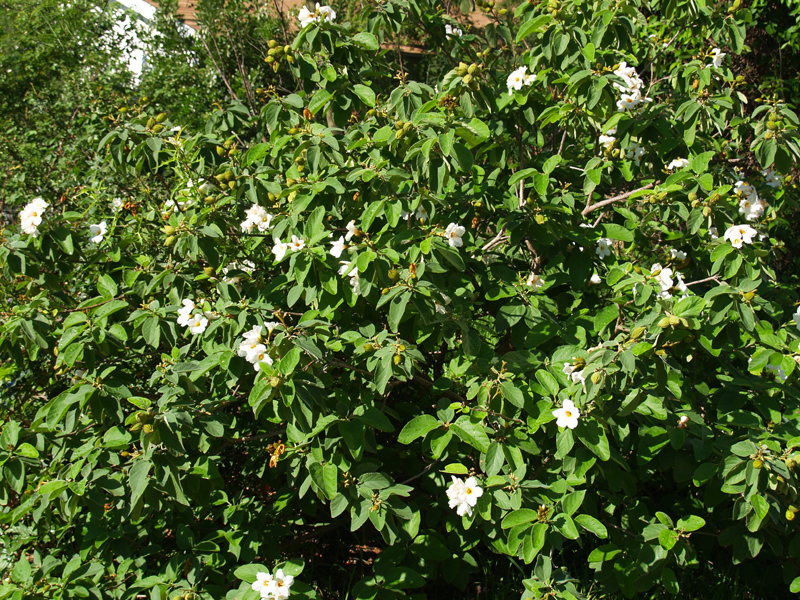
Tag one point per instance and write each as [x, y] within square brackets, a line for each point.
[398, 124]
[272, 43]
[394, 275]
[158, 128]
[221, 151]
[758, 464]
[397, 359]
[160, 118]
[151, 122]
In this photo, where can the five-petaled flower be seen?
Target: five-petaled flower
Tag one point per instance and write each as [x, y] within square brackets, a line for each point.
[31, 216]
[463, 495]
[453, 234]
[320, 15]
[739, 235]
[716, 58]
[603, 247]
[337, 247]
[567, 415]
[351, 231]
[198, 324]
[518, 78]
[98, 231]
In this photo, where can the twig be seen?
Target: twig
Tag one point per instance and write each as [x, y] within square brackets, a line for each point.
[712, 278]
[607, 201]
[563, 139]
[250, 438]
[421, 473]
[500, 238]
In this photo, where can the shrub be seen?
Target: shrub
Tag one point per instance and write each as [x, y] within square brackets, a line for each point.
[529, 312]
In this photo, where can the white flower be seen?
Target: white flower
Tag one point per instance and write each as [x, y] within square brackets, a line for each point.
[253, 335]
[280, 586]
[677, 255]
[198, 324]
[117, 204]
[779, 372]
[98, 231]
[664, 278]
[463, 495]
[636, 152]
[348, 268]
[681, 285]
[603, 247]
[739, 234]
[338, 247]
[518, 78]
[262, 583]
[421, 213]
[271, 325]
[279, 249]
[296, 244]
[677, 163]
[453, 234]
[595, 279]
[321, 14]
[351, 231]
[534, 281]
[629, 101]
[439, 308]
[449, 31]
[575, 375]
[713, 232]
[752, 211]
[773, 180]
[257, 217]
[716, 58]
[796, 317]
[185, 313]
[567, 415]
[251, 351]
[607, 141]
[30, 216]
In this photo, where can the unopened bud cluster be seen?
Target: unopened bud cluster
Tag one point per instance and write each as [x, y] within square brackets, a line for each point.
[277, 52]
[469, 75]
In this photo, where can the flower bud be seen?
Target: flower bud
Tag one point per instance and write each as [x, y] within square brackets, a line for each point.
[758, 464]
[397, 359]
[275, 381]
[276, 66]
[399, 135]
[221, 151]
[290, 59]
[158, 128]
[673, 320]
[706, 211]
[272, 197]
[789, 514]
[160, 118]
[769, 135]
[597, 376]
[151, 123]
[502, 12]
[466, 79]
[399, 124]
[270, 59]
[208, 271]
[664, 323]
[147, 428]
[472, 68]
[692, 196]
[169, 240]
[272, 43]
[637, 332]
[287, 49]
[771, 125]
[394, 275]
[790, 463]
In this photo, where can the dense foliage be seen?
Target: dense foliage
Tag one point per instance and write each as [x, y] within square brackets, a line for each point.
[529, 311]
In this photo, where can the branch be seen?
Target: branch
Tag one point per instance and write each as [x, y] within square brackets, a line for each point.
[712, 278]
[500, 238]
[607, 201]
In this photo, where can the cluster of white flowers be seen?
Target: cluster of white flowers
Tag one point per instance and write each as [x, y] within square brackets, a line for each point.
[677, 163]
[631, 97]
[273, 587]
[251, 347]
[750, 205]
[664, 277]
[339, 246]
[320, 15]
[603, 247]
[453, 234]
[349, 269]
[716, 58]
[195, 322]
[464, 495]
[280, 248]
[573, 373]
[31, 216]
[773, 180]
[567, 415]
[257, 218]
[98, 231]
[246, 266]
[518, 78]
[636, 152]
[450, 31]
[739, 234]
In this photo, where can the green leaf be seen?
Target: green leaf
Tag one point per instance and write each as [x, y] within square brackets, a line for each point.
[512, 394]
[462, 157]
[106, 286]
[566, 526]
[365, 93]
[419, 426]
[138, 478]
[617, 232]
[668, 538]
[26, 450]
[519, 517]
[472, 432]
[588, 51]
[366, 40]
[592, 525]
[692, 523]
[397, 309]
[605, 317]
[528, 27]
[319, 100]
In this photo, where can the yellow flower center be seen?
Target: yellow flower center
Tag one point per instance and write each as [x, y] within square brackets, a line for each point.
[567, 413]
